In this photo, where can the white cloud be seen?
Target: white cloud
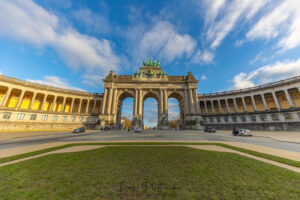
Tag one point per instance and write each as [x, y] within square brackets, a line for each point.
[205, 57]
[239, 43]
[55, 82]
[283, 21]
[93, 22]
[267, 74]
[212, 8]
[25, 21]
[203, 77]
[163, 41]
[234, 11]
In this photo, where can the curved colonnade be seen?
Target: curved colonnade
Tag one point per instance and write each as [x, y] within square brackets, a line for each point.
[31, 106]
[274, 106]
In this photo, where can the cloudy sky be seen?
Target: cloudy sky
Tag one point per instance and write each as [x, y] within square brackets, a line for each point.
[227, 44]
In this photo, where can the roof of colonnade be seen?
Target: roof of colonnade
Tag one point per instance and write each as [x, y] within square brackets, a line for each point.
[284, 82]
[45, 87]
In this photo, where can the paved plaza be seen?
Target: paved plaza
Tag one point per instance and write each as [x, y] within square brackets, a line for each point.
[265, 142]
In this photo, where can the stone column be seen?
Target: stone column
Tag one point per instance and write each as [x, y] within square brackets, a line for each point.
[136, 96]
[244, 104]
[253, 103]
[94, 106]
[235, 106]
[20, 99]
[103, 109]
[212, 107]
[276, 101]
[140, 102]
[87, 106]
[227, 106]
[63, 105]
[114, 102]
[264, 101]
[53, 108]
[196, 102]
[289, 99]
[205, 106]
[79, 106]
[32, 101]
[186, 102]
[4, 101]
[72, 105]
[109, 101]
[192, 110]
[220, 107]
[44, 102]
[165, 102]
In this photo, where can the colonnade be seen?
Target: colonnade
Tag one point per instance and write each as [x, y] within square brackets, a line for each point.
[23, 99]
[276, 99]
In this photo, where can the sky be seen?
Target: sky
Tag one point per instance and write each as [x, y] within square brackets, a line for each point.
[227, 44]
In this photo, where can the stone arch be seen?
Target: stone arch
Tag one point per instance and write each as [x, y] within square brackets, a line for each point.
[180, 98]
[120, 98]
[155, 95]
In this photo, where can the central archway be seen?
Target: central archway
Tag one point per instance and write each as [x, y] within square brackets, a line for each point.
[151, 96]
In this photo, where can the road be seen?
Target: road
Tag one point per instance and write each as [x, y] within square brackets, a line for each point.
[149, 136]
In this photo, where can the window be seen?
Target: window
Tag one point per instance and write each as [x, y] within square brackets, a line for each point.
[263, 117]
[54, 118]
[287, 116]
[226, 118]
[243, 118]
[44, 117]
[21, 116]
[211, 119]
[218, 119]
[73, 118]
[80, 119]
[6, 115]
[234, 118]
[88, 119]
[64, 118]
[275, 117]
[33, 116]
[253, 118]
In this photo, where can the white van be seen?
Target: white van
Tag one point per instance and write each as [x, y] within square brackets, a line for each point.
[244, 132]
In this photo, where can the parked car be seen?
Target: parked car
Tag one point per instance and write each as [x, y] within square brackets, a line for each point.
[79, 130]
[235, 132]
[210, 130]
[106, 128]
[138, 130]
[241, 132]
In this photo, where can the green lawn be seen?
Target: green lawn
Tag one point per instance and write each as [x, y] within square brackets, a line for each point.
[147, 172]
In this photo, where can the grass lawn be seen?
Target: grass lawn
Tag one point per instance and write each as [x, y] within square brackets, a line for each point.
[147, 172]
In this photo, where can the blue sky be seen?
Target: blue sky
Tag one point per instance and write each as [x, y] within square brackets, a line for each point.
[227, 44]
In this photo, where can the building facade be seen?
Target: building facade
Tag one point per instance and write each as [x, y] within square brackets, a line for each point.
[30, 106]
[274, 106]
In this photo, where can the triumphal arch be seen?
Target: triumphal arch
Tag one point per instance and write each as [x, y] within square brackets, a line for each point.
[151, 81]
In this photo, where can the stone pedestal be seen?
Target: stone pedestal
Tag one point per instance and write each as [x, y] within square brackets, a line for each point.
[198, 123]
[164, 123]
[136, 122]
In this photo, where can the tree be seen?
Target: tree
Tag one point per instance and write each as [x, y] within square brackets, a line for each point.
[173, 123]
[127, 123]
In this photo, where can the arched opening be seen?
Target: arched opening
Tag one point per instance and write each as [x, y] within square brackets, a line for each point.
[176, 111]
[150, 111]
[124, 111]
